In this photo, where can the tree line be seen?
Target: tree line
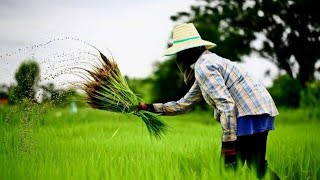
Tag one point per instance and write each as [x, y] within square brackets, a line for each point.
[286, 32]
[27, 85]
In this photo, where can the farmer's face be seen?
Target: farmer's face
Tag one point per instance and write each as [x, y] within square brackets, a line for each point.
[189, 56]
[184, 59]
[186, 56]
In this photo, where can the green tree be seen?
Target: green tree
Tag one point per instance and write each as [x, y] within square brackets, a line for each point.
[27, 78]
[141, 87]
[286, 91]
[50, 93]
[58, 96]
[310, 96]
[289, 30]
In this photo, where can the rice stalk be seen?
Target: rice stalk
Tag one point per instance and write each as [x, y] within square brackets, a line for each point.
[107, 89]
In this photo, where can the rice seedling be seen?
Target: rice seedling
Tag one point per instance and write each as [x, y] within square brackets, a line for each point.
[107, 89]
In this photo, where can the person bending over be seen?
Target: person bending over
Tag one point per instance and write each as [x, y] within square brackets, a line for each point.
[241, 104]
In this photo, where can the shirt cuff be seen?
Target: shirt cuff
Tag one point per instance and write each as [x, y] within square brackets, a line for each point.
[229, 136]
[158, 107]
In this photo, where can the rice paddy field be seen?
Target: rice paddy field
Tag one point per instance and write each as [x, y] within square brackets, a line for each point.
[53, 143]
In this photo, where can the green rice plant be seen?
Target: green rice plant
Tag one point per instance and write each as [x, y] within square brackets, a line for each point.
[107, 89]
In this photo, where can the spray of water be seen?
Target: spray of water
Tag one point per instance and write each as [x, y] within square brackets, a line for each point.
[61, 68]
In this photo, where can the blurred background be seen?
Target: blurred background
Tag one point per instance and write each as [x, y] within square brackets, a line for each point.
[40, 41]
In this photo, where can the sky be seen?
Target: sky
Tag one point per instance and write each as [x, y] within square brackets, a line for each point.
[136, 33]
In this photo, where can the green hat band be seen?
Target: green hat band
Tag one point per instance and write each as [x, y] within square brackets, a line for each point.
[186, 39]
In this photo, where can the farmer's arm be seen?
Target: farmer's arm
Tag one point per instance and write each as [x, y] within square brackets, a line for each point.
[181, 106]
[213, 85]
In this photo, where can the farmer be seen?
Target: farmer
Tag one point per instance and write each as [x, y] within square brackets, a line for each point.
[242, 105]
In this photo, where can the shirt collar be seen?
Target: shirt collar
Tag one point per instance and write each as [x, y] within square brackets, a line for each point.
[204, 53]
[192, 65]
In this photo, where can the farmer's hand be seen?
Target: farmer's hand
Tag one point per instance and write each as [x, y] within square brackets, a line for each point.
[229, 153]
[144, 106]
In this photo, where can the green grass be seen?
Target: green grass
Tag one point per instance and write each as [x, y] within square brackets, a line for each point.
[37, 143]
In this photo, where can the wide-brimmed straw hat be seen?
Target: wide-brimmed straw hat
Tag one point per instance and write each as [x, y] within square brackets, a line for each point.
[186, 36]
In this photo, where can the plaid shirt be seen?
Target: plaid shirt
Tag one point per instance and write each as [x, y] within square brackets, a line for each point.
[231, 91]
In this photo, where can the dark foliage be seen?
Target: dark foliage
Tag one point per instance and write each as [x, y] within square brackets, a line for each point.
[27, 78]
[289, 30]
[168, 82]
[286, 91]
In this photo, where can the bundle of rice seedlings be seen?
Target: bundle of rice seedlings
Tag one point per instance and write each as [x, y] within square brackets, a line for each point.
[107, 89]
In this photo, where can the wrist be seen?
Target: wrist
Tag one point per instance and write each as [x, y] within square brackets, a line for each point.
[143, 106]
[146, 107]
